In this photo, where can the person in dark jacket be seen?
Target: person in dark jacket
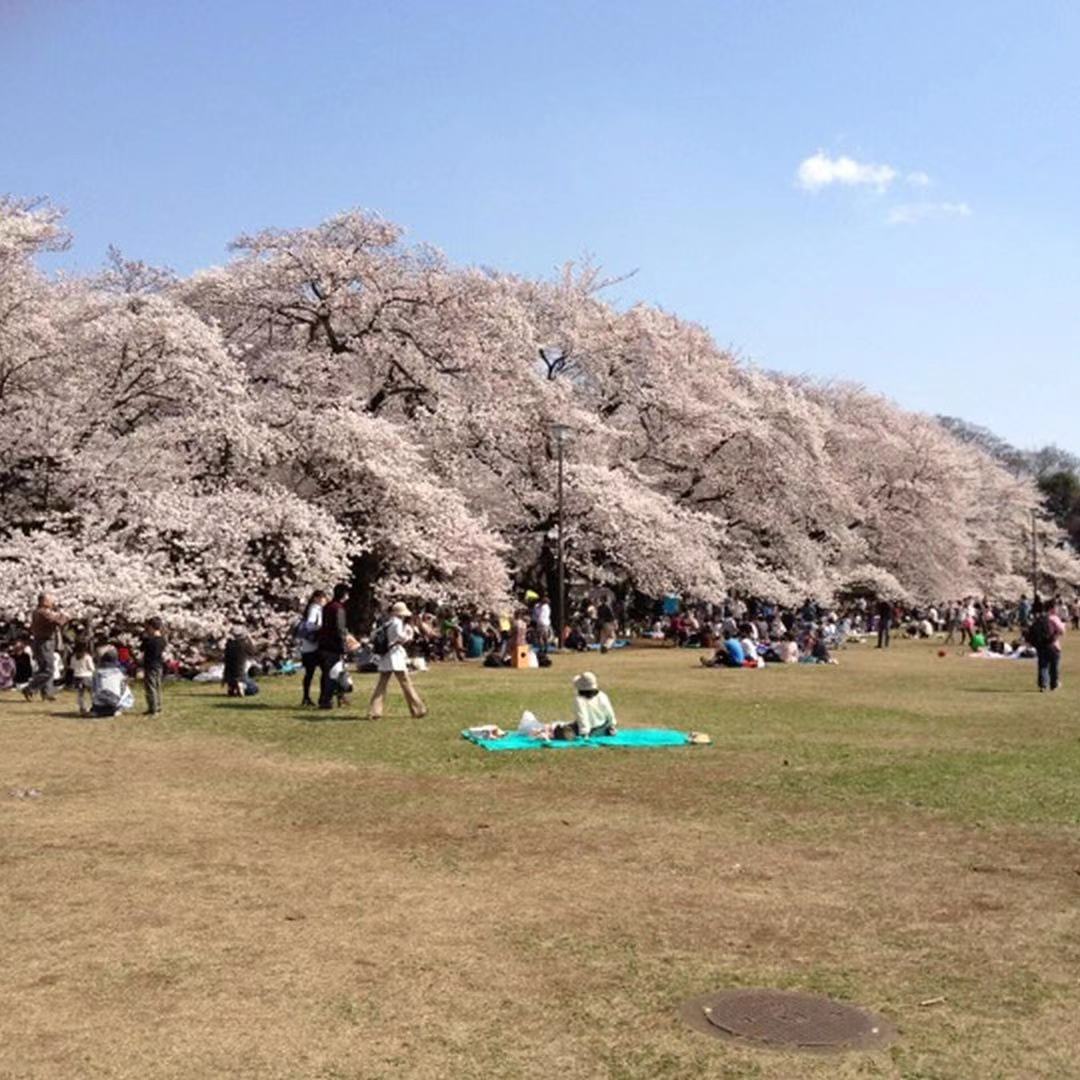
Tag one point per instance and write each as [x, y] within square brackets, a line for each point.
[332, 643]
[885, 619]
[237, 651]
[153, 664]
[45, 625]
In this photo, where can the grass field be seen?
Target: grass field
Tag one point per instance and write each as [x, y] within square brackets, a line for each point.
[245, 889]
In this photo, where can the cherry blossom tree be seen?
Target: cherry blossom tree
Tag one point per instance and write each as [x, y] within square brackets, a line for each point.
[336, 403]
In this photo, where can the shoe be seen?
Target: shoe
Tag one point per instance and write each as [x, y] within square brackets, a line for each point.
[28, 693]
[420, 716]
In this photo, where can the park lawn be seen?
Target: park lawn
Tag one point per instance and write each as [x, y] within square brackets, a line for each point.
[249, 889]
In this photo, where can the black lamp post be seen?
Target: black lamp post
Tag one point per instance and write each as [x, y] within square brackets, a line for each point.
[560, 433]
[1034, 559]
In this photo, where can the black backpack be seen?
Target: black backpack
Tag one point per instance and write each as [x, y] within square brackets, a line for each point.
[1039, 633]
[380, 643]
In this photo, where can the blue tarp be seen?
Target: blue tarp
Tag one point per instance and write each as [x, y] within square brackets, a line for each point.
[629, 739]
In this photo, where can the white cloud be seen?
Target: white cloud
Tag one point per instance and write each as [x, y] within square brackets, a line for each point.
[819, 170]
[918, 179]
[913, 213]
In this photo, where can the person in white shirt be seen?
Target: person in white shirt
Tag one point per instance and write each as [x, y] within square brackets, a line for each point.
[307, 637]
[787, 650]
[750, 650]
[82, 676]
[542, 618]
[593, 714]
[395, 662]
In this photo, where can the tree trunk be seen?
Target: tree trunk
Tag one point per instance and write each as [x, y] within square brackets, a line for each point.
[366, 569]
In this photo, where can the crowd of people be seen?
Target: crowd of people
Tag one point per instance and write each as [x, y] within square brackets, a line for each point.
[57, 651]
[53, 650]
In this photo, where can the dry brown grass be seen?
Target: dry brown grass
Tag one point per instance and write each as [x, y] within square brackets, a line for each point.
[187, 905]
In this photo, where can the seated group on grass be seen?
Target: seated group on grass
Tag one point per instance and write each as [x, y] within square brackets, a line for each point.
[746, 652]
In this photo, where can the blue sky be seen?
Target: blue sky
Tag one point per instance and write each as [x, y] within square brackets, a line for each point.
[662, 137]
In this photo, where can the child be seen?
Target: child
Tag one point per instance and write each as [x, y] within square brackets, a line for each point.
[24, 665]
[7, 671]
[82, 675]
[339, 673]
[153, 663]
[593, 714]
[111, 693]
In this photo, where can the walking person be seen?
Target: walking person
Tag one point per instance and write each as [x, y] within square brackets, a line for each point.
[606, 617]
[333, 637]
[1045, 634]
[394, 661]
[234, 672]
[885, 619]
[153, 662]
[307, 636]
[45, 625]
[952, 623]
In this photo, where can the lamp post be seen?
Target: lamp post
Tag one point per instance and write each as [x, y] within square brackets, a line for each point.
[1034, 559]
[560, 433]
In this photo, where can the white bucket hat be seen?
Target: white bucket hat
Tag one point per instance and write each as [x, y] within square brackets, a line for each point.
[401, 610]
[586, 681]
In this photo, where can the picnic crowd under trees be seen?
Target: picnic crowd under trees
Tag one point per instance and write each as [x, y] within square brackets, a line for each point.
[333, 404]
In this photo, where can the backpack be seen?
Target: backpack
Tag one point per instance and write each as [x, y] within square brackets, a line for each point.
[1039, 633]
[380, 643]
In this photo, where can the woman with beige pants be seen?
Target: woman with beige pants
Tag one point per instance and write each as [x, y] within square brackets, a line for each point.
[394, 662]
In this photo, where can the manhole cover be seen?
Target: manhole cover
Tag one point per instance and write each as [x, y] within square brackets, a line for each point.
[787, 1018]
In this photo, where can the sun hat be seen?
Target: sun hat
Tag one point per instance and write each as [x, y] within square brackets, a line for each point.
[401, 610]
[586, 681]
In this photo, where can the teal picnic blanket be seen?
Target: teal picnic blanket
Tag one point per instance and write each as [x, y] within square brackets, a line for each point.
[629, 738]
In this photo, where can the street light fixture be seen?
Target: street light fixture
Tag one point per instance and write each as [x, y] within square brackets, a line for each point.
[554, 360]
[560, 433]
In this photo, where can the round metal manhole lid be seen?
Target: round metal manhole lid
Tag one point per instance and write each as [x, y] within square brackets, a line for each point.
[787, 1019]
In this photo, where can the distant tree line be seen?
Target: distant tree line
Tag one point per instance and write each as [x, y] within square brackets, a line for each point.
[1056, 472]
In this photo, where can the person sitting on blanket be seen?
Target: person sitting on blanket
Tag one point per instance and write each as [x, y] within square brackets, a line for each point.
[787, 650]
[819, 650]
[729, 654]
[593, 714]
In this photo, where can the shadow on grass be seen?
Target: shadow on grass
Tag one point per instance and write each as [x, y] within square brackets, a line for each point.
[992, 690]
[329, 716]
[262, 706]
